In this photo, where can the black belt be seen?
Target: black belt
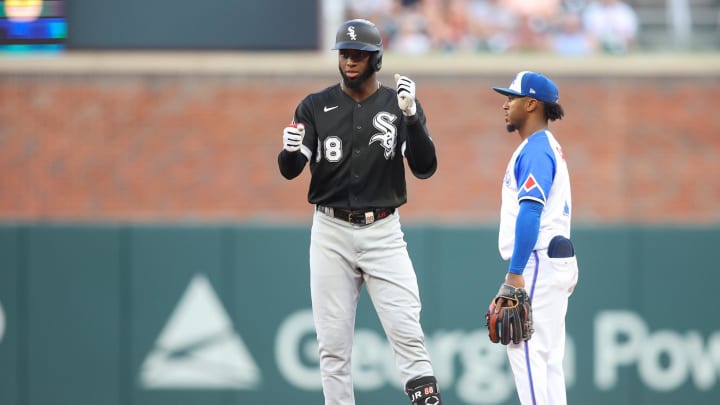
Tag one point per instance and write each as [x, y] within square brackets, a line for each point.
[358, 217]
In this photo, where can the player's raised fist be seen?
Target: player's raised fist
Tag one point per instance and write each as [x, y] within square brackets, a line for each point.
[293, 136]
[406, 95]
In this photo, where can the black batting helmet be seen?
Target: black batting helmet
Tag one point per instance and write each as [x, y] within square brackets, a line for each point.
[361, 35]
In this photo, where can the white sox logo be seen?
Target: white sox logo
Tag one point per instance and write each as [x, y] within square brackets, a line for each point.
[351, 33]
[387, 136]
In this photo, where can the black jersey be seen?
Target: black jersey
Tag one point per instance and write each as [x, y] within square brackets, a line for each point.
[356, 149]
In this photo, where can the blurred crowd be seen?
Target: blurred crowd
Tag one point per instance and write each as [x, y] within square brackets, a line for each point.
[567, 27]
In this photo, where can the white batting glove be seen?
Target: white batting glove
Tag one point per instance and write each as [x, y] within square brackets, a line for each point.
[293, 137]
[406, 95]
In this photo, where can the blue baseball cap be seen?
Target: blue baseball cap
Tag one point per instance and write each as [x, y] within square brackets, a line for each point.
[531, 84]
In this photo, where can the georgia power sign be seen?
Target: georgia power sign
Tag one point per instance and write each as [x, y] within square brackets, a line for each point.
[199, 348]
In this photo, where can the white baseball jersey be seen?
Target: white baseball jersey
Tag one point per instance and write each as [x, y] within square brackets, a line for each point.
[537, 171]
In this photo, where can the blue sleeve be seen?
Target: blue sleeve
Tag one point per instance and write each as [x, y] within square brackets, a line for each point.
[527, 228]
[535, 169]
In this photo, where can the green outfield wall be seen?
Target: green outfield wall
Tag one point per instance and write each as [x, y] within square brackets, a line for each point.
[125, 314]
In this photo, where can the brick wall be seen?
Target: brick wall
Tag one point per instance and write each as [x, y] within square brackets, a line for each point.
[184, 147]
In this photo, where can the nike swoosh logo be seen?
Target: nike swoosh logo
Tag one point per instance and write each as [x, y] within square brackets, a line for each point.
[326, 108]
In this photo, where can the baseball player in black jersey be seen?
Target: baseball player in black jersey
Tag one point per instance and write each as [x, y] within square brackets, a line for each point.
[357, 135]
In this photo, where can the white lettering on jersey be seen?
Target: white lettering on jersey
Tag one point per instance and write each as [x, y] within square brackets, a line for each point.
[333, 149]
[387, 136]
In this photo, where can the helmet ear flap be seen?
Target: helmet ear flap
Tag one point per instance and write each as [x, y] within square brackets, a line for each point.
[376, 60]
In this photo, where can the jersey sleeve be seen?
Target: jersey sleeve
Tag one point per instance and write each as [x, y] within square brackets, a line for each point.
[291, 164]
[419, 147]
[535, 170]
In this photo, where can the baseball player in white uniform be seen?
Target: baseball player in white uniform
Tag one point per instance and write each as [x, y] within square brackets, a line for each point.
[535, 235]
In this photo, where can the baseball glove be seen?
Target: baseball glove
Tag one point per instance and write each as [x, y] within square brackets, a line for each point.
[509, 318]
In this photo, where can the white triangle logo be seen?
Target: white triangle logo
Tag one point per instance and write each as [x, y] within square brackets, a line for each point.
[198, 348]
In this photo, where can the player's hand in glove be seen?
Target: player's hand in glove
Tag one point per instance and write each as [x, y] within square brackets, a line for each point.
[509, 318]
[406, 95]
[293, 137]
